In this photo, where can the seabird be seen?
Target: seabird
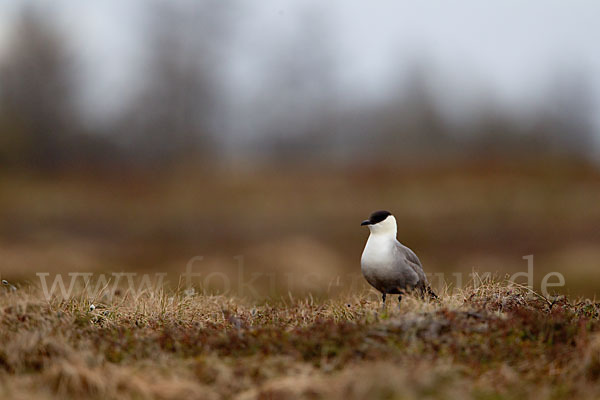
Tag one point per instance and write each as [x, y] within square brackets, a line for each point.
[387, 264]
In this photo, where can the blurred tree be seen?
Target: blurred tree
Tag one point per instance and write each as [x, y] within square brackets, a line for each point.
[178, 105]
[407, 123]
[566, 123]
[298, 105]
[559, 125]
[38, 117]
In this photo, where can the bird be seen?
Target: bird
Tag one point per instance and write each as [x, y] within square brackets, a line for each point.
[388, 265]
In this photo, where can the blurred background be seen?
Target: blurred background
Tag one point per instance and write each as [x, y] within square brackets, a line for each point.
[136, 134]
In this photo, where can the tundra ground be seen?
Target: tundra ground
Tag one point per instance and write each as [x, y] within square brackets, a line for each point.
[493, 341]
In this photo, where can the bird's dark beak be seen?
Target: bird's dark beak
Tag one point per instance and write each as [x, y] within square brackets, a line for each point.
[365, 222]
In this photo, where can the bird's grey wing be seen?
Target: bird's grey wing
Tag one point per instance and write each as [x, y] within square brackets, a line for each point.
[413, 261]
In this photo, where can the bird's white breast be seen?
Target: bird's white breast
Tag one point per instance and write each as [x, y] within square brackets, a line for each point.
[377, 255]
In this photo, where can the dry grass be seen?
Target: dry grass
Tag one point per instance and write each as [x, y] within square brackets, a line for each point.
[488, 342]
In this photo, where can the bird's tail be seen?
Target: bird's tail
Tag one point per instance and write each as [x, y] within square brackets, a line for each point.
[429, 292]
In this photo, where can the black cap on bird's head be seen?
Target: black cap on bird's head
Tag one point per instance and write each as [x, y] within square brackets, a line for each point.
[376, 217]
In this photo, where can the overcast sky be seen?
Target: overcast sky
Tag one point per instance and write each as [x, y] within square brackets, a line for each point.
[511, 48]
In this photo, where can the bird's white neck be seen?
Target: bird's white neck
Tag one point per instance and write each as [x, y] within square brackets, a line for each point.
[384, 229]
[380, 243]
